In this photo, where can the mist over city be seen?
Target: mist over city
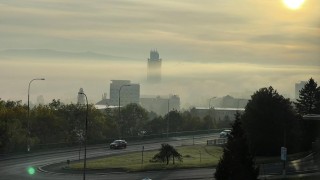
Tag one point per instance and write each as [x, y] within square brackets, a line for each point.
[162, 90]
[194, 82]
[212, 48]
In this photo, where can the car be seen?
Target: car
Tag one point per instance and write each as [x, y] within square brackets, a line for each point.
[118, 144]
[225, 133]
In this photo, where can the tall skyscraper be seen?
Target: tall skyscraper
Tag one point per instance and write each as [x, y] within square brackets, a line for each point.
[298, 87]
[154, 67]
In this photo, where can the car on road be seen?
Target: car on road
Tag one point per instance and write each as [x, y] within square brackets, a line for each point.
[118, 144]
[225, 133]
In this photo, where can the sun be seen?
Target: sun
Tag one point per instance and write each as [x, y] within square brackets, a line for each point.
[293, 4]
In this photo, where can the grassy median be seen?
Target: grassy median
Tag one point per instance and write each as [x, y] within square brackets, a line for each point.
[193, 156]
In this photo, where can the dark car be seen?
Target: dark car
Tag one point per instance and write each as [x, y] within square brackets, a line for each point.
[117, 144]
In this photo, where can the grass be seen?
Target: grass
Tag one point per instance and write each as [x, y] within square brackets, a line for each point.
[131, 162]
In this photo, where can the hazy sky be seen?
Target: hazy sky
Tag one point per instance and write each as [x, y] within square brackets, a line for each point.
[209, 47]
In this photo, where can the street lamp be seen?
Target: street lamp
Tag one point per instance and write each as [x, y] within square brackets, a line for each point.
[85, 139]
[28, 124]
[168, 118]
[119, 106]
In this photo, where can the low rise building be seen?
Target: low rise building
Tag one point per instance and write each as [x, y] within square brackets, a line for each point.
[160, 105]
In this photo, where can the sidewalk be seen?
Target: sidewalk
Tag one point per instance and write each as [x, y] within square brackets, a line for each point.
[307, 176]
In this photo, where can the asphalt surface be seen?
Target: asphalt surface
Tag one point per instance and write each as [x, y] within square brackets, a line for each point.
[15, 167]
[48, 164]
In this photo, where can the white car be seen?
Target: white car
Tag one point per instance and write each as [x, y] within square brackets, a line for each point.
[225, 133]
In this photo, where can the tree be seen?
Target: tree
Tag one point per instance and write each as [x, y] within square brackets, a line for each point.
[270, 122]
[207, 122]
[156, 126]
[190, 122]
[134, 119]
[166, 152]
[13, 131]
[237, 161]
[309, 99]
[309, 103]
[174, 120]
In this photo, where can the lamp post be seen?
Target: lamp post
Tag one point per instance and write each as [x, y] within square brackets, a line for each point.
[28, 124]
[119, 106]
[85, 139]
[168, 117]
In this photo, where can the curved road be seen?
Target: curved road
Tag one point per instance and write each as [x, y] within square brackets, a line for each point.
[16, 167]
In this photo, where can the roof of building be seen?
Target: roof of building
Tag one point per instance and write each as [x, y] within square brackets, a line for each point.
[97, 106]
[312, 117]
[221, 109]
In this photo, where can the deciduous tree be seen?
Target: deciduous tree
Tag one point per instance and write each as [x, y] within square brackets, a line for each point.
[166, 153]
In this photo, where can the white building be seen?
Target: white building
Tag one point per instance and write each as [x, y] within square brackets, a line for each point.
[129, 92]
[80, 99]
[217, 112]
[161, 105]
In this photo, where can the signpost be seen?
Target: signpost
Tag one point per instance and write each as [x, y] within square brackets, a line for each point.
[284, 159]
[142, 156]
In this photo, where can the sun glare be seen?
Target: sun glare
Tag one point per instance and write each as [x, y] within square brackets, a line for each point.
[293, 4]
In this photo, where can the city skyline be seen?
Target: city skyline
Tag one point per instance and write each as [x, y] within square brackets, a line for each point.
[211, 48]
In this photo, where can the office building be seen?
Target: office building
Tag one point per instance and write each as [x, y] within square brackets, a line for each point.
[154, 67]
[161, 105]
[129, 93]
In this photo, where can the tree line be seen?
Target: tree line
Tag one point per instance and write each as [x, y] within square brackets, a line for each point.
[269, 122]
[57, 124]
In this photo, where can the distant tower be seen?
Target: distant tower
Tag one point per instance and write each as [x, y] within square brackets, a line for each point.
[80, 97]
[154, 67]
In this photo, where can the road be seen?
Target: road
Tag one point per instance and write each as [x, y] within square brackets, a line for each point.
[15, 167]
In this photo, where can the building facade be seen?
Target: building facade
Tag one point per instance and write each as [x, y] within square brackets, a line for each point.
[154, 67]
[161, 105]
[218, 113]
[127, 91]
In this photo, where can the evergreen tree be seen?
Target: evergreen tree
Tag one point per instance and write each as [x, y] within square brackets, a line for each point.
[237, 161]
[270, 122]
[309, 99]
[309, 103]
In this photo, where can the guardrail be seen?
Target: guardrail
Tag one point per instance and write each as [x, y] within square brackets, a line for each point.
[217, 142]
